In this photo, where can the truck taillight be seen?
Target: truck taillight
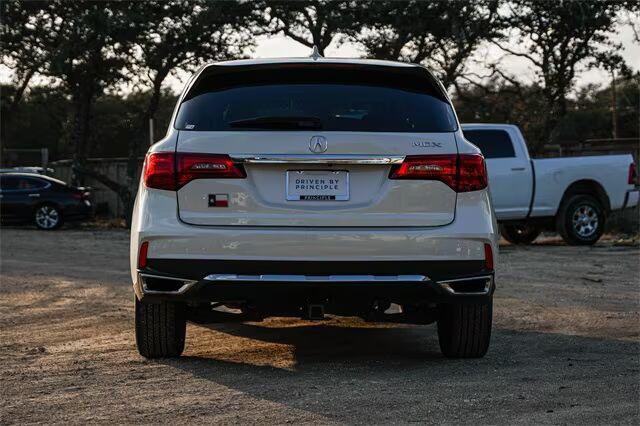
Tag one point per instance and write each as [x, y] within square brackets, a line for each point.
[633, 174]
[461, 172]
[166, 170]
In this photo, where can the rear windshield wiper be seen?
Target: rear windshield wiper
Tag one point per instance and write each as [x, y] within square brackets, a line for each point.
[278, 122]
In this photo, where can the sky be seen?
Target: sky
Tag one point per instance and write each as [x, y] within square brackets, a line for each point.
[281, 46]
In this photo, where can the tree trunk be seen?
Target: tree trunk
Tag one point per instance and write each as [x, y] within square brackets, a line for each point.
[135, 144]
[614, 107]
[17, 96]
[82, 101]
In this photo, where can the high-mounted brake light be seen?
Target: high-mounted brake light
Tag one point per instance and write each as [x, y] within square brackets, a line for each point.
[633, 174]
[166, 170]
[461, 172]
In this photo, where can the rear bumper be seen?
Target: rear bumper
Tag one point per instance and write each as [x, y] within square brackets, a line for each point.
[80, 211]
[631, 198]
[338, 283]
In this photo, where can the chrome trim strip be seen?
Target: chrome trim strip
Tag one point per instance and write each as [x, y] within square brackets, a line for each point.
[487, 285]
[318, 159]
[187, 284]
[317, 278]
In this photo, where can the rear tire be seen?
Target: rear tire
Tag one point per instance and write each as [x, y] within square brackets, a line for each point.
[160, 329]
[47, 217]
[580, 220]
[520, 233]
[464, 330]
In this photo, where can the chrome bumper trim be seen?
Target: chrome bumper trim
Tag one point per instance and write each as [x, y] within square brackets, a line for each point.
[487, 285]
[318, 159]
[318, 278]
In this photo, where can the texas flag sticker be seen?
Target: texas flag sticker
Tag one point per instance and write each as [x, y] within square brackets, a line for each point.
[218, 200]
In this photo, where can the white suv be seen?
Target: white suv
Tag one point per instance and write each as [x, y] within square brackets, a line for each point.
[311, 186]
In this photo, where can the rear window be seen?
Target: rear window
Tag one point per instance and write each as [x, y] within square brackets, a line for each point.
[358, 100]
[492, 143]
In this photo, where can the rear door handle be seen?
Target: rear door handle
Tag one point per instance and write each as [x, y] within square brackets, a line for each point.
[517, 169]
[34, 195]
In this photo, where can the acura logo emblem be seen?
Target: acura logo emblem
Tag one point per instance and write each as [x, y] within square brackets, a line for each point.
[318, 144]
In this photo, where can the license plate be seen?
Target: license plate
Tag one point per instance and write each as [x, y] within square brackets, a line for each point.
[317, 185]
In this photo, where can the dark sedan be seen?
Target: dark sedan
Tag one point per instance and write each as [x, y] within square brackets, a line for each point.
[41, 200]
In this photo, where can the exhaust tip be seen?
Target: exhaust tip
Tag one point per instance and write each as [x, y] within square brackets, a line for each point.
[468, 286]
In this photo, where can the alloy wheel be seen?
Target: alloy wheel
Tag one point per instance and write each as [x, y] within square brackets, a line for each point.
[585, 221]
[47, 217]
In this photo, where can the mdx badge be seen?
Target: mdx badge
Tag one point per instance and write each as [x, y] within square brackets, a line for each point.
[318, 144]
[427, 144]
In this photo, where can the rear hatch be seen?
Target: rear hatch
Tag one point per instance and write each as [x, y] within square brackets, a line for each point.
[313, 145]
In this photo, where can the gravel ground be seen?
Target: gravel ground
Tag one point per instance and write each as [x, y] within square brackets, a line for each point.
[565, 348]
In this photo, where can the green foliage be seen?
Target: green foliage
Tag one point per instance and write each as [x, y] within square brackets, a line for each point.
[44, 121]
[588, 114]
[440, 34]
[312, 22]
[558, 36]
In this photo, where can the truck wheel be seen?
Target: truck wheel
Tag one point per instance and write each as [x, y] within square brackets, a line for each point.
[520, 233]
[580, 220]
[160, 329]
[464, 330]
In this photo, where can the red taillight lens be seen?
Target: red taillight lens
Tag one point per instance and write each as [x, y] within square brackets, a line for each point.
[461, 172]
[142, 255]
[428, 167]
[633, 174]
[159, 171]
[472, 173]
[488, 257]
[166, 170]
[207, 166]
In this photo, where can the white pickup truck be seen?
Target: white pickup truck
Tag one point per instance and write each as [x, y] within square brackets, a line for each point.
[572, 195]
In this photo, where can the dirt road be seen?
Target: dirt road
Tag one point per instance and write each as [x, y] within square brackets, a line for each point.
[565, 348]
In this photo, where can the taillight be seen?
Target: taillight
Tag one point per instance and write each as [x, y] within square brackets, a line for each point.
[81, 195]
[461, 172]
[472, 173]
[207, 166]
[488, 257]
[142, 255]
[166, 170]
[633, 174]
[159, 171]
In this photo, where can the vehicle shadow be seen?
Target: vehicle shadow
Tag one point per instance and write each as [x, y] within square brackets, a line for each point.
[396, 374]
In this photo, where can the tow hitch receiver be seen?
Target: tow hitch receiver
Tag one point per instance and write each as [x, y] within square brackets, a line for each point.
[315, 312]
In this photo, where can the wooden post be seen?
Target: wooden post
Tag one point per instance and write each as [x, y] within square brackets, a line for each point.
[614, 106]
[151, 136]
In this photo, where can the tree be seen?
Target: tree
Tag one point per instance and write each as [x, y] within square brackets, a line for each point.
[180, 34]
[440, 34]
[19, 49]
[83, 45]
[312, 22]
[556, 38]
